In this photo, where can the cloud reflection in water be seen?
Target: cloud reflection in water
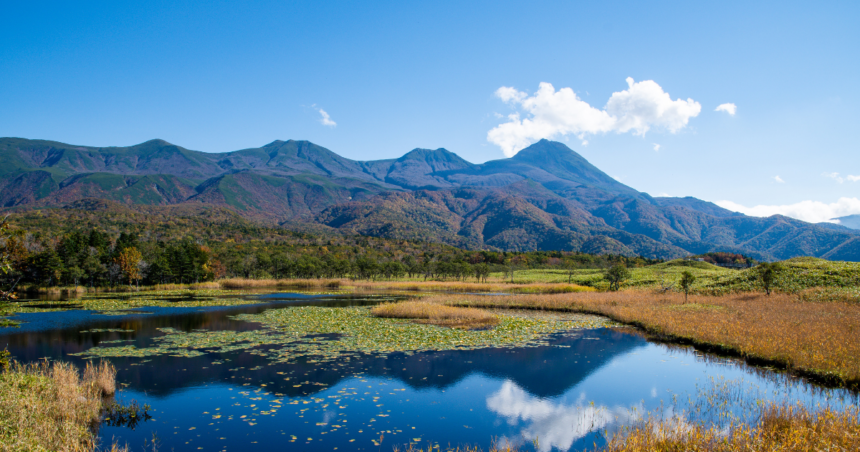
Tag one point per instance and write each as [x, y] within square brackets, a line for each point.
[553, 424]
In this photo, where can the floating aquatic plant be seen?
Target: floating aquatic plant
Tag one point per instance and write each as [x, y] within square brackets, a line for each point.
[329, 334]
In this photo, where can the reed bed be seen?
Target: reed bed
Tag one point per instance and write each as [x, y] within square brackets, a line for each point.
[437, 314]
[457, 286]
[209, 285]
[327, 284]
[78, 290]
[410, 286]
[780, 428]
[812, 339]
[247, 283]
[50, 406]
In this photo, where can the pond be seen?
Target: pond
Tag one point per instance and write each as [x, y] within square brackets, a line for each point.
[315, 372]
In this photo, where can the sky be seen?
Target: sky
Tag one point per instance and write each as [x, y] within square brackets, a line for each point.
[753, 105]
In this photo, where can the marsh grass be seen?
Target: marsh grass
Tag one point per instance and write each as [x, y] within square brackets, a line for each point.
[780, 427]
[79, 290]
[437, 314]
[811, 339]
[248, 283]
[409, 286]
[50, 406]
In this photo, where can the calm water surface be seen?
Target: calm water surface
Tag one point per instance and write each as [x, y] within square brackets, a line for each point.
[563, 396]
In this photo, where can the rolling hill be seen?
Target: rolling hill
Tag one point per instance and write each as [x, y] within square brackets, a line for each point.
[545, 197]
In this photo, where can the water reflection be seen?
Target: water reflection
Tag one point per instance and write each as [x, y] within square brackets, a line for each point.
[553, 425]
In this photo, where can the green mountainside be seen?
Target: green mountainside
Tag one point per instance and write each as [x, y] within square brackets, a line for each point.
[545, 197]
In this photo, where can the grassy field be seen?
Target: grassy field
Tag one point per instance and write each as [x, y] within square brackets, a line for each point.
[810, 278]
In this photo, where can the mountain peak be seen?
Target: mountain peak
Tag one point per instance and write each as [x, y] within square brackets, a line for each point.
[155, 142]
[546, 149]
[438, 157]
[563, 162]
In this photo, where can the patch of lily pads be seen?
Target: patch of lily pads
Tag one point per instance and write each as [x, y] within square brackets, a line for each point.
[320, 334]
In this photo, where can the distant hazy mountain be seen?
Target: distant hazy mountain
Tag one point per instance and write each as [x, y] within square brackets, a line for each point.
[850, 221]
[545, 197]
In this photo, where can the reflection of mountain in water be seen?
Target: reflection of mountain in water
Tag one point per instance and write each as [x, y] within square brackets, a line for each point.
[543, 371]
[553, 425]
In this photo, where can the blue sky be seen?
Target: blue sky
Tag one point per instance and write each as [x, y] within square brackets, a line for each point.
[393, 76]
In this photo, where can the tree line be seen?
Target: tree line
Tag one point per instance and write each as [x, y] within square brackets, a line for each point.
[96, 258]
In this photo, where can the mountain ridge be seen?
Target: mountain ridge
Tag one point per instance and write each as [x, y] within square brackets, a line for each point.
[545, 197]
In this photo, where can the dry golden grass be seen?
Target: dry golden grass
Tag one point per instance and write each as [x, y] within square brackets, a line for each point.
[780, 428]
[413, 286]
[50, 407]
[247, 283]
[324, 283]
[813, 339]
[437, 314]
[102, 376]
[457, 286]
[193, 286]
[78, 290]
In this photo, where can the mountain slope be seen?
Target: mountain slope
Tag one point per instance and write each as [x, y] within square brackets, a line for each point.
[545, 197]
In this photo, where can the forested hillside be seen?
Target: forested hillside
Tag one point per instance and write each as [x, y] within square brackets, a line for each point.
[546, 197]
[106, 244]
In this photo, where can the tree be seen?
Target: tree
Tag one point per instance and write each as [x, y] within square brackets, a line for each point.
[5, 267]
[481, 272]
[513, 263]
[366, 267]
[47, 267]
[129, 261]
[570, 266]
[616, 275]
[766, 273]
[686, 282]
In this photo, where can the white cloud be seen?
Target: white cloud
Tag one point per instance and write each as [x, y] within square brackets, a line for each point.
[778, 179]
[510, 94]
[731, 109]
[550, 113]
[326, 119]
[645, 104]
[834, 176]
[810, 211]
[656, 147]
[840, 179]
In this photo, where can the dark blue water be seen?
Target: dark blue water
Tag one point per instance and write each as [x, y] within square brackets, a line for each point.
[567, 395]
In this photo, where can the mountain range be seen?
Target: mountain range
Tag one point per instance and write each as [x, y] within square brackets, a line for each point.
[545, 197]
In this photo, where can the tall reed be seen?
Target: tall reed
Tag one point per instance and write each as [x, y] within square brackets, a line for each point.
[50, 406]
[412, 286]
